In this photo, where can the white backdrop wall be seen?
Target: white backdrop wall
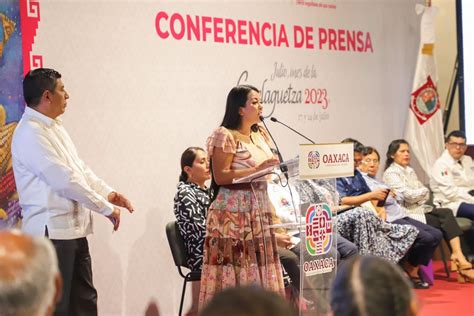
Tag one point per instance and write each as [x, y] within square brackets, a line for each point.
[138, 100]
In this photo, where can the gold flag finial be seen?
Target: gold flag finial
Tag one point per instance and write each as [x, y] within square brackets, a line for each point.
[427, 49]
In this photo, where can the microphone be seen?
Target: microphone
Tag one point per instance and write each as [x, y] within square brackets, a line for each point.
[283, 167]
[274, 119]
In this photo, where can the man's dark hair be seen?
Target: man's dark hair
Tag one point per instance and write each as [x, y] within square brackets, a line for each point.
[358, 146]
[36, 82]
[456, 133]
[370, 150]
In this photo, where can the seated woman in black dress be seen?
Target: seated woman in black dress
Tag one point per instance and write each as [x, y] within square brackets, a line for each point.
[190, 208]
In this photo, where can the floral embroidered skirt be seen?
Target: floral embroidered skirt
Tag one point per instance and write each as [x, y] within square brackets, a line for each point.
[240, 247]
[376, 237]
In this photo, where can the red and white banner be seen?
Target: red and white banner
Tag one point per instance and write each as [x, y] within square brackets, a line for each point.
[424, 128]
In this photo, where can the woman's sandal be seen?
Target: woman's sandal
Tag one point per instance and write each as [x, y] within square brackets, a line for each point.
[455, 266]
[466, 275]
[465, 271]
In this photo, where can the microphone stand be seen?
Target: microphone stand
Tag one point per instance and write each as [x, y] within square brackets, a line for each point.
[274, 119]
[283, 166]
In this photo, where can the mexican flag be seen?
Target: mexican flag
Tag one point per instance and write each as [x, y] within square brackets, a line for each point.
[424, 126]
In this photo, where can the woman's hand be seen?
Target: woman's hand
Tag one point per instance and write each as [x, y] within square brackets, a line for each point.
[267, 164]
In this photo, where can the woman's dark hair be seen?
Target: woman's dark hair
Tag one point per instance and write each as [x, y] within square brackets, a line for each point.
[187, 159]
[236, 99]
[370, 286]
[247, 301]
[392, 149]
[370, 150]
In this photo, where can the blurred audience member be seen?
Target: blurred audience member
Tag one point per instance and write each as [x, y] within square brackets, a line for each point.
[30, 283]
[371, 286]
[247, 301]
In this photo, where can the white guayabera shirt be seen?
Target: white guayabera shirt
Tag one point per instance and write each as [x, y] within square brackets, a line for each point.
[452, 180]
[57, 189]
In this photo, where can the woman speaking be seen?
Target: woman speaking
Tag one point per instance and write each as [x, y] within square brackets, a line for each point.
[240, 247]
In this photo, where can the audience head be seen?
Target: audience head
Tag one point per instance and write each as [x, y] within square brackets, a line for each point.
[371, 286]
[44, 91]
[30, 283]
[358, 148]
[194, 166]
[243, 103]
[370, 161]
[399, 152]
[247, 301]
[456, 144]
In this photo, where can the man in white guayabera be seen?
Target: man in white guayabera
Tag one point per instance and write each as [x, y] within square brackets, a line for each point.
[452, 177]
[452, 180]
[57, 190]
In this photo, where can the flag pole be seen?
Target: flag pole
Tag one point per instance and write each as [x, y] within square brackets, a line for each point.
[428, 3]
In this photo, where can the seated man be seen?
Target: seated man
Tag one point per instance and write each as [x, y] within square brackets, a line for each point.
[361, 188]
[452, 177]
[452, 180]
[30, 283]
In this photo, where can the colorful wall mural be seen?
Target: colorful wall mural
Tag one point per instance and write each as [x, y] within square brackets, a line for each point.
[11, 106]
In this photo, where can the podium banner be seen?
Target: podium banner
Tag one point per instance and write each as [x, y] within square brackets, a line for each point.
[322, 161]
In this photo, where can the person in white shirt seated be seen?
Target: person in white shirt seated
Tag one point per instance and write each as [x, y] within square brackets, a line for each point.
[452, 177]
[428, 237]
[452, 180]
[57, 190]
[403, 180]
